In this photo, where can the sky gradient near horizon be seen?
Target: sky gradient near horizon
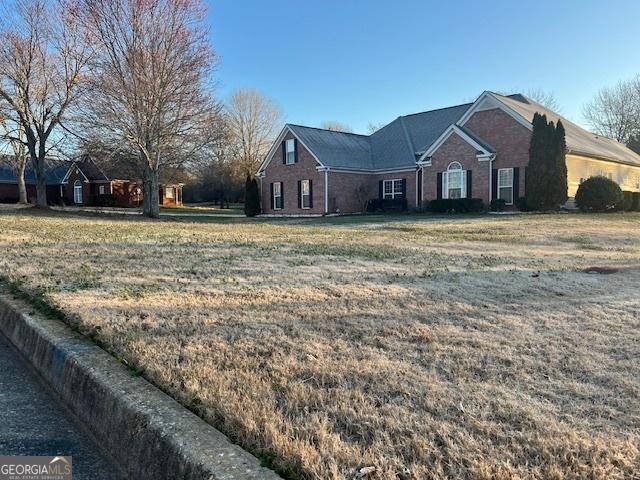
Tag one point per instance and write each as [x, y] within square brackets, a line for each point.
[358, 61]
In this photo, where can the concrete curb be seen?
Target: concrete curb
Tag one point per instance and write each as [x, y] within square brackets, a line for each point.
[147, 432]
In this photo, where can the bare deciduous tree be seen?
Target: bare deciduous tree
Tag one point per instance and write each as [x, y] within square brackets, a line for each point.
[615, 111]
[43, 54]
[149, 87]
[253, 121]
[12, 135]
[544, 98]
[336, 126]
[374, 127]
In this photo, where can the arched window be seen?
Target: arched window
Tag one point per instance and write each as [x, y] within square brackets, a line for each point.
[77, 191]
[454, 181]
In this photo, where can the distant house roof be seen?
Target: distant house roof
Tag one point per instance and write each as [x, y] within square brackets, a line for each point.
[91, 169]
[406, 139]
[55, 171]
[578, 139]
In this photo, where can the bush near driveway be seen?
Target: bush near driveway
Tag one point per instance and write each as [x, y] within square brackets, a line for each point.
[598, 194]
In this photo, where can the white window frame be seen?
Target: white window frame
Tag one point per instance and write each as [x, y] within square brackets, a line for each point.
[305, 204]
[101, 189]
[169, 193]
[395, 189]
[290, 154]
[277, 195]
[510, 186]
[77, 191]
[454, 168]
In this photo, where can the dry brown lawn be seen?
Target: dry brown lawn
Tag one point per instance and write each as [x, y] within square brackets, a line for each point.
[424, 347]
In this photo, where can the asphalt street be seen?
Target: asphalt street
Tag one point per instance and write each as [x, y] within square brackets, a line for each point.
[33, 422]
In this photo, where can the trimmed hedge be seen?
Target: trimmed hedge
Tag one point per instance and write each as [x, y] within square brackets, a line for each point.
[635, 205]
[456, 205]
[598, 194]
[387, 205]
[626, 205]
[497, 205]
[107, 200]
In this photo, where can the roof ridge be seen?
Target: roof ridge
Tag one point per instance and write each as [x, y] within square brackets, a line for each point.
[437, 109]
[328, 130]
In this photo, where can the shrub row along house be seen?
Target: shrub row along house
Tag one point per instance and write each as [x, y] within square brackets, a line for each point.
[476, 150]
[81, 182]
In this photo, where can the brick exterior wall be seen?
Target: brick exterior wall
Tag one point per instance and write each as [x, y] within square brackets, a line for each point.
[303, 169]
[349, 192]
[508, 138]
[76, 174]
[456, 149]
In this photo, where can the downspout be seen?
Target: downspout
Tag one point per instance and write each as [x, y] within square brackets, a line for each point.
[491, 159]
[326, 191]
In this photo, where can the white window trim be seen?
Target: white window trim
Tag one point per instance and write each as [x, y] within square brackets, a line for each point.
[101, 189]
[77, 192]
[302, 194]
[505, 186]
[292, 142]
[394, 193]
[277, 195]
[445, 181]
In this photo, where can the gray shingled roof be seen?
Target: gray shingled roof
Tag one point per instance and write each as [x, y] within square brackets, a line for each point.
[425, 128]
[578, 139]
[91, 169]
[336, 149]
[397, 144]
[393, 146]
[55, 172]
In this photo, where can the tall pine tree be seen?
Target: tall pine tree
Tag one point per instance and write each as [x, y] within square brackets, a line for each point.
[251, 198]
[558, 186]
[546, 180]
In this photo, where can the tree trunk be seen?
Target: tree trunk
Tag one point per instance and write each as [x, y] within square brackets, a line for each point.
[151, 194]
[22, 187]
[41, 182]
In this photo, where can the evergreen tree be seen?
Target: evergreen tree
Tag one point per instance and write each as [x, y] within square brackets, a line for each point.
[546, 180]
[252, 197]
[536, 173]
[558, 186]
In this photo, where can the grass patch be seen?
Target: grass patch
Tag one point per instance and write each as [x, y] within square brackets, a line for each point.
[460, 347]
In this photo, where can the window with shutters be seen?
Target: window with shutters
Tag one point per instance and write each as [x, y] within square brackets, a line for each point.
[277, 196]
[290, 146]
[392, 189]
[505, 185]
[305, 193]
[454, 182]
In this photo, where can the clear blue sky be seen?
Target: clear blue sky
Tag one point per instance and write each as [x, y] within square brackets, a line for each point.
[360, 61]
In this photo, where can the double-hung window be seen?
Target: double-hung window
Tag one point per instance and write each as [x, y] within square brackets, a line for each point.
[169, 192]
[505, 185]
[290, 151]
[305, 194]
[101, 189]
[454, 181]
[277, 196]
[392, 189]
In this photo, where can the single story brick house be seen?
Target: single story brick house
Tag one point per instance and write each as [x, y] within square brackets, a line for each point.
[78, 183]
[475, 150]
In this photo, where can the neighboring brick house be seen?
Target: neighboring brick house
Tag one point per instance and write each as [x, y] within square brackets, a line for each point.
[81, 182]
[477, 150]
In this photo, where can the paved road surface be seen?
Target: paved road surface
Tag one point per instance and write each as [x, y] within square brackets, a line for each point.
[32, 422]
